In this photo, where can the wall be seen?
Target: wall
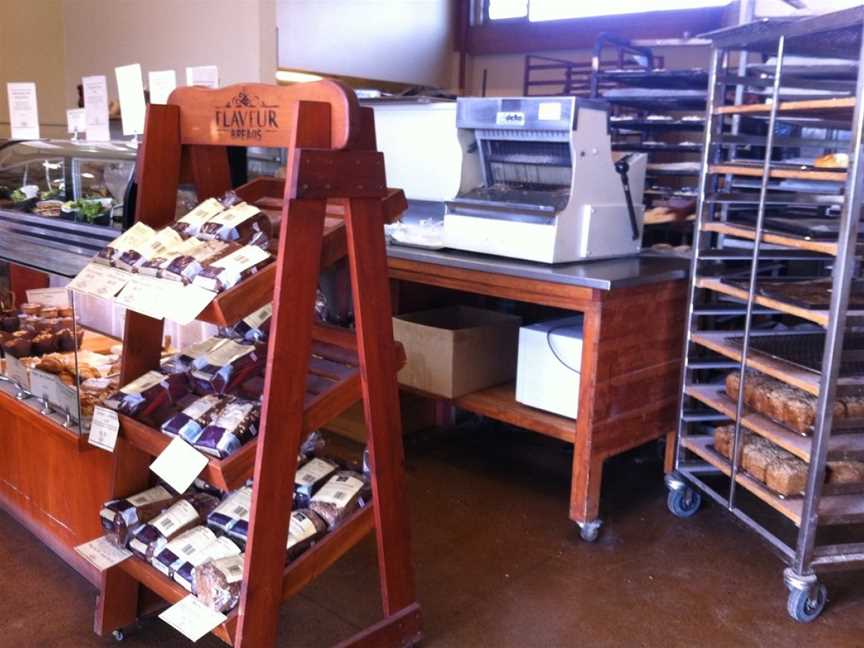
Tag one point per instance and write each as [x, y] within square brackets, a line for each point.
[392, 40]
[31, 49]
[236, 35]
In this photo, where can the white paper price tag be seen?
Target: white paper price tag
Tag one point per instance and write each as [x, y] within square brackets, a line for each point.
[66, 399]
[96, 107]
[76, 121]
[144, 295]
[161, 84]
[42, 385]
[17, 372]
[99, 281]
[179, 465]
[183, 304]
[191, 618]
[102, 553]
[104, 428]
[49, 296]
[23, 111]
[130, 88]
[203, 75]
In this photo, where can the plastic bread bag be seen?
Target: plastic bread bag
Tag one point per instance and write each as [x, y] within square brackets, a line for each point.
[189, 423]
[221, 548]
[230, 270]
[182, 548]
[158, 245]
[186, 267]
[119, 516]
[135, 236]
[217, 583]
[228, 363]
[240, 223]
[157, 264]
[310, 477]
[191, 223]
[234, 508]
[312, 445]
[340, 497]
[146, 395]
[194, 356]
[256, 326]
[237, 423]
[305, 527]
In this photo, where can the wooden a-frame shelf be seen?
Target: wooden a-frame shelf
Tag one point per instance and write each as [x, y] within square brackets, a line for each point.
[333, 205]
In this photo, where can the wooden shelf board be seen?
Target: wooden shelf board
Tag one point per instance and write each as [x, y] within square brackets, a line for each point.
[740, 231]
[788, 373]
[792, 174]
[817, 316]
[808, 107]
[791, 508]
[839, 445]
[499, 403]
[833, 509]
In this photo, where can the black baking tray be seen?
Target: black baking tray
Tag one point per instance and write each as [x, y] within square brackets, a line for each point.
[804, 350]
[820, 299]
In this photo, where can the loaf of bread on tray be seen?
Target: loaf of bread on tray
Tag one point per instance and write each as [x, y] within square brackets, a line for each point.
[785, 404]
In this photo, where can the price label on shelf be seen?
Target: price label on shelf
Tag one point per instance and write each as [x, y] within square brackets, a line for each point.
[144, 295]
[191, 618]
[49, 296]
[104, 428]
[99, 281]
[17, 372]
[102, 553]
[179, 465]
[66, 399]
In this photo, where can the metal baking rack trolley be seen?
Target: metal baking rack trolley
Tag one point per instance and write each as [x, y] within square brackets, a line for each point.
[794, 219]
[332, 158]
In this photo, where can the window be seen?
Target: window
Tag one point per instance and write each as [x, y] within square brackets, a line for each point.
[541, 10]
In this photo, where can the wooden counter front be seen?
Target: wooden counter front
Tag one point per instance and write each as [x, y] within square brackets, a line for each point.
[52, 481]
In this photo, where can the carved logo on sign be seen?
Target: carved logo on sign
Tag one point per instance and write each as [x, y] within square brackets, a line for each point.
[246, 117]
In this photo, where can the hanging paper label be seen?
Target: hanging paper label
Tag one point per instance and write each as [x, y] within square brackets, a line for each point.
[191, 618]
[104, 428]
[179, 465]
[102, 553]
[58, 297]
[99, 281]
[17, 372]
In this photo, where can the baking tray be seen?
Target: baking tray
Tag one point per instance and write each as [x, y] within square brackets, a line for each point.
[812, 294]
[804, 350]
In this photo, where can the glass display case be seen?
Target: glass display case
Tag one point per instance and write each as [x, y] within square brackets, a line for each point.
[62, 200]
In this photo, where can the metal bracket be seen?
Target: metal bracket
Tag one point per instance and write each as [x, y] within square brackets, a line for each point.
[675, 481]
[794, 581]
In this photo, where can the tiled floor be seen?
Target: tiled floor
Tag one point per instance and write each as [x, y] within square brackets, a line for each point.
[498, 564]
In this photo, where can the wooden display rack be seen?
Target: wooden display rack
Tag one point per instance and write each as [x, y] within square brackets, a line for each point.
[332, 156]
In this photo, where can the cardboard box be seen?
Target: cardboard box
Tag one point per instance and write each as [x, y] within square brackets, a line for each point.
[457, 350]
[550, 363]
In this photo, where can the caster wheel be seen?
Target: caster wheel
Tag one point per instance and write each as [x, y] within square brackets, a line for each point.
[590, 531]
[805, 605]
[118, 635]
[684, 503]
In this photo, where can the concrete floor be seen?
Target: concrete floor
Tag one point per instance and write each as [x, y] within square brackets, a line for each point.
[498, 564]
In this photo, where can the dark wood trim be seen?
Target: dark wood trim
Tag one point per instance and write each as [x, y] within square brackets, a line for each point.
[521, 37]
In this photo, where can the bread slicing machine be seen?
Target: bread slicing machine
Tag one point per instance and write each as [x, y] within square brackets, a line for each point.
[539, 182]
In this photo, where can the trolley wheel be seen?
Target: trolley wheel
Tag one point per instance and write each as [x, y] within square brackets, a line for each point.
[119, 635]
[805, 605]
[590, 531]
[684, 502]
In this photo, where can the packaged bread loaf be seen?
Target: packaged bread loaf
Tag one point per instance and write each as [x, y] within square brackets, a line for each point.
[217, 583]
[185, 267]
[157, 246]
[310, 477]
[135, 237]
[231, 269]
[182, 548]
[189, 423]
[242, 223]
[236, 423]
[145, 396]
[233, 509]
[256, 326]
[160, 261]
[148, 539]
[119, 516]
[339, 497]
[227, 363]
[191, 223]
[220, 548]
[305, 527]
